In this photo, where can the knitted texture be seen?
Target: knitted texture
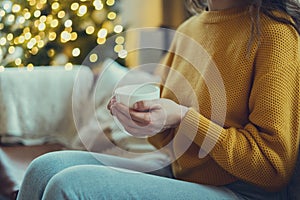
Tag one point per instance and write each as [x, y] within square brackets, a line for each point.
[258, 142]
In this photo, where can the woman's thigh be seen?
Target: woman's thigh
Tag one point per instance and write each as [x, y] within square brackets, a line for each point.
[42, 169]
[56, 161]
[102, 182]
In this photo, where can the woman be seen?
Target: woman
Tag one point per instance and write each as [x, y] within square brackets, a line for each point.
[234, 140]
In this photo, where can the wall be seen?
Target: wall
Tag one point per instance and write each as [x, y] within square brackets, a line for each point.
[138, 16]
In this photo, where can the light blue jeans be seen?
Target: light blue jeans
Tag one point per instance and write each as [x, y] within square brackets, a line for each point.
[74, 175]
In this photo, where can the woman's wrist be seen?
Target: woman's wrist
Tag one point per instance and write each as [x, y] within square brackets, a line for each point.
[184, 110]
[181, 114]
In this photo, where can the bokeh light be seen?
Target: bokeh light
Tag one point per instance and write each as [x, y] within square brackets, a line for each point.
[45, 30]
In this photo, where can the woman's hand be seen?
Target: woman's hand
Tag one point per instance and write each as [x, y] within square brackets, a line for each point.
[147, 118]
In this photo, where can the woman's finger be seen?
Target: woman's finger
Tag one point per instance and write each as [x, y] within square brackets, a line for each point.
[140, 117]
[144, 106]
[133, 127]
[122, 113]
[111, 102]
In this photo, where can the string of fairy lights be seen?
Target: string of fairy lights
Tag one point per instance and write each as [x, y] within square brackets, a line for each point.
[30, 27]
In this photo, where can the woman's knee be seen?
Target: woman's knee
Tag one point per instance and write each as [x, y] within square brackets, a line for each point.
[88, 181]
[42, 163]
[74, 182]
[58, 186]
[57, 160]
[39, 172]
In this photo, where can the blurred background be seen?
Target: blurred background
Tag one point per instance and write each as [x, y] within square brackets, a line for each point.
[63, 33]
[46, 109]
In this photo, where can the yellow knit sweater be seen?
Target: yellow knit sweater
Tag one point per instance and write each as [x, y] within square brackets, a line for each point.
[250, 116]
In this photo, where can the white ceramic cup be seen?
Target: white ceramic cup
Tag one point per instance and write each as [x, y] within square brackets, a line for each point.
[130, 94]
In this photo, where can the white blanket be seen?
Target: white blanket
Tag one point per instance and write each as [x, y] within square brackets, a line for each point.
[38, 106]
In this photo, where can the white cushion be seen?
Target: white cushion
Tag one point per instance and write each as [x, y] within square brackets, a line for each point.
[37, 106]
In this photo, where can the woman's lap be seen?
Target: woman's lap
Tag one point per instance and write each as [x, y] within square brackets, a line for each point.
[102, 182]
[82, 175]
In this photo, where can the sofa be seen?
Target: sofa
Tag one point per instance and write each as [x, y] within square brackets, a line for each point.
[56, 108]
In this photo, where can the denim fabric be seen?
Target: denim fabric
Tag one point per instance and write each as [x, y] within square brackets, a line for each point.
[78, 175]
[246, 191]
[294, 185]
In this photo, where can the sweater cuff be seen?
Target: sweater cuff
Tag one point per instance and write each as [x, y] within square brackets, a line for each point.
[202, 131]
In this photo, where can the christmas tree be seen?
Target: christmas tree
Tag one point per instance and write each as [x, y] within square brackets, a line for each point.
[52, 32]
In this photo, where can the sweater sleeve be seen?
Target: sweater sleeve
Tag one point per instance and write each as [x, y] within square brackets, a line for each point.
[163, 139]
[264, 151]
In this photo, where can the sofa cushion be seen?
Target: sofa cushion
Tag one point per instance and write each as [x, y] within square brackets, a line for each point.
[38, 105]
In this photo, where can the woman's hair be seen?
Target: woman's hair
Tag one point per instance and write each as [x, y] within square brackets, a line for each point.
[290, 7]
